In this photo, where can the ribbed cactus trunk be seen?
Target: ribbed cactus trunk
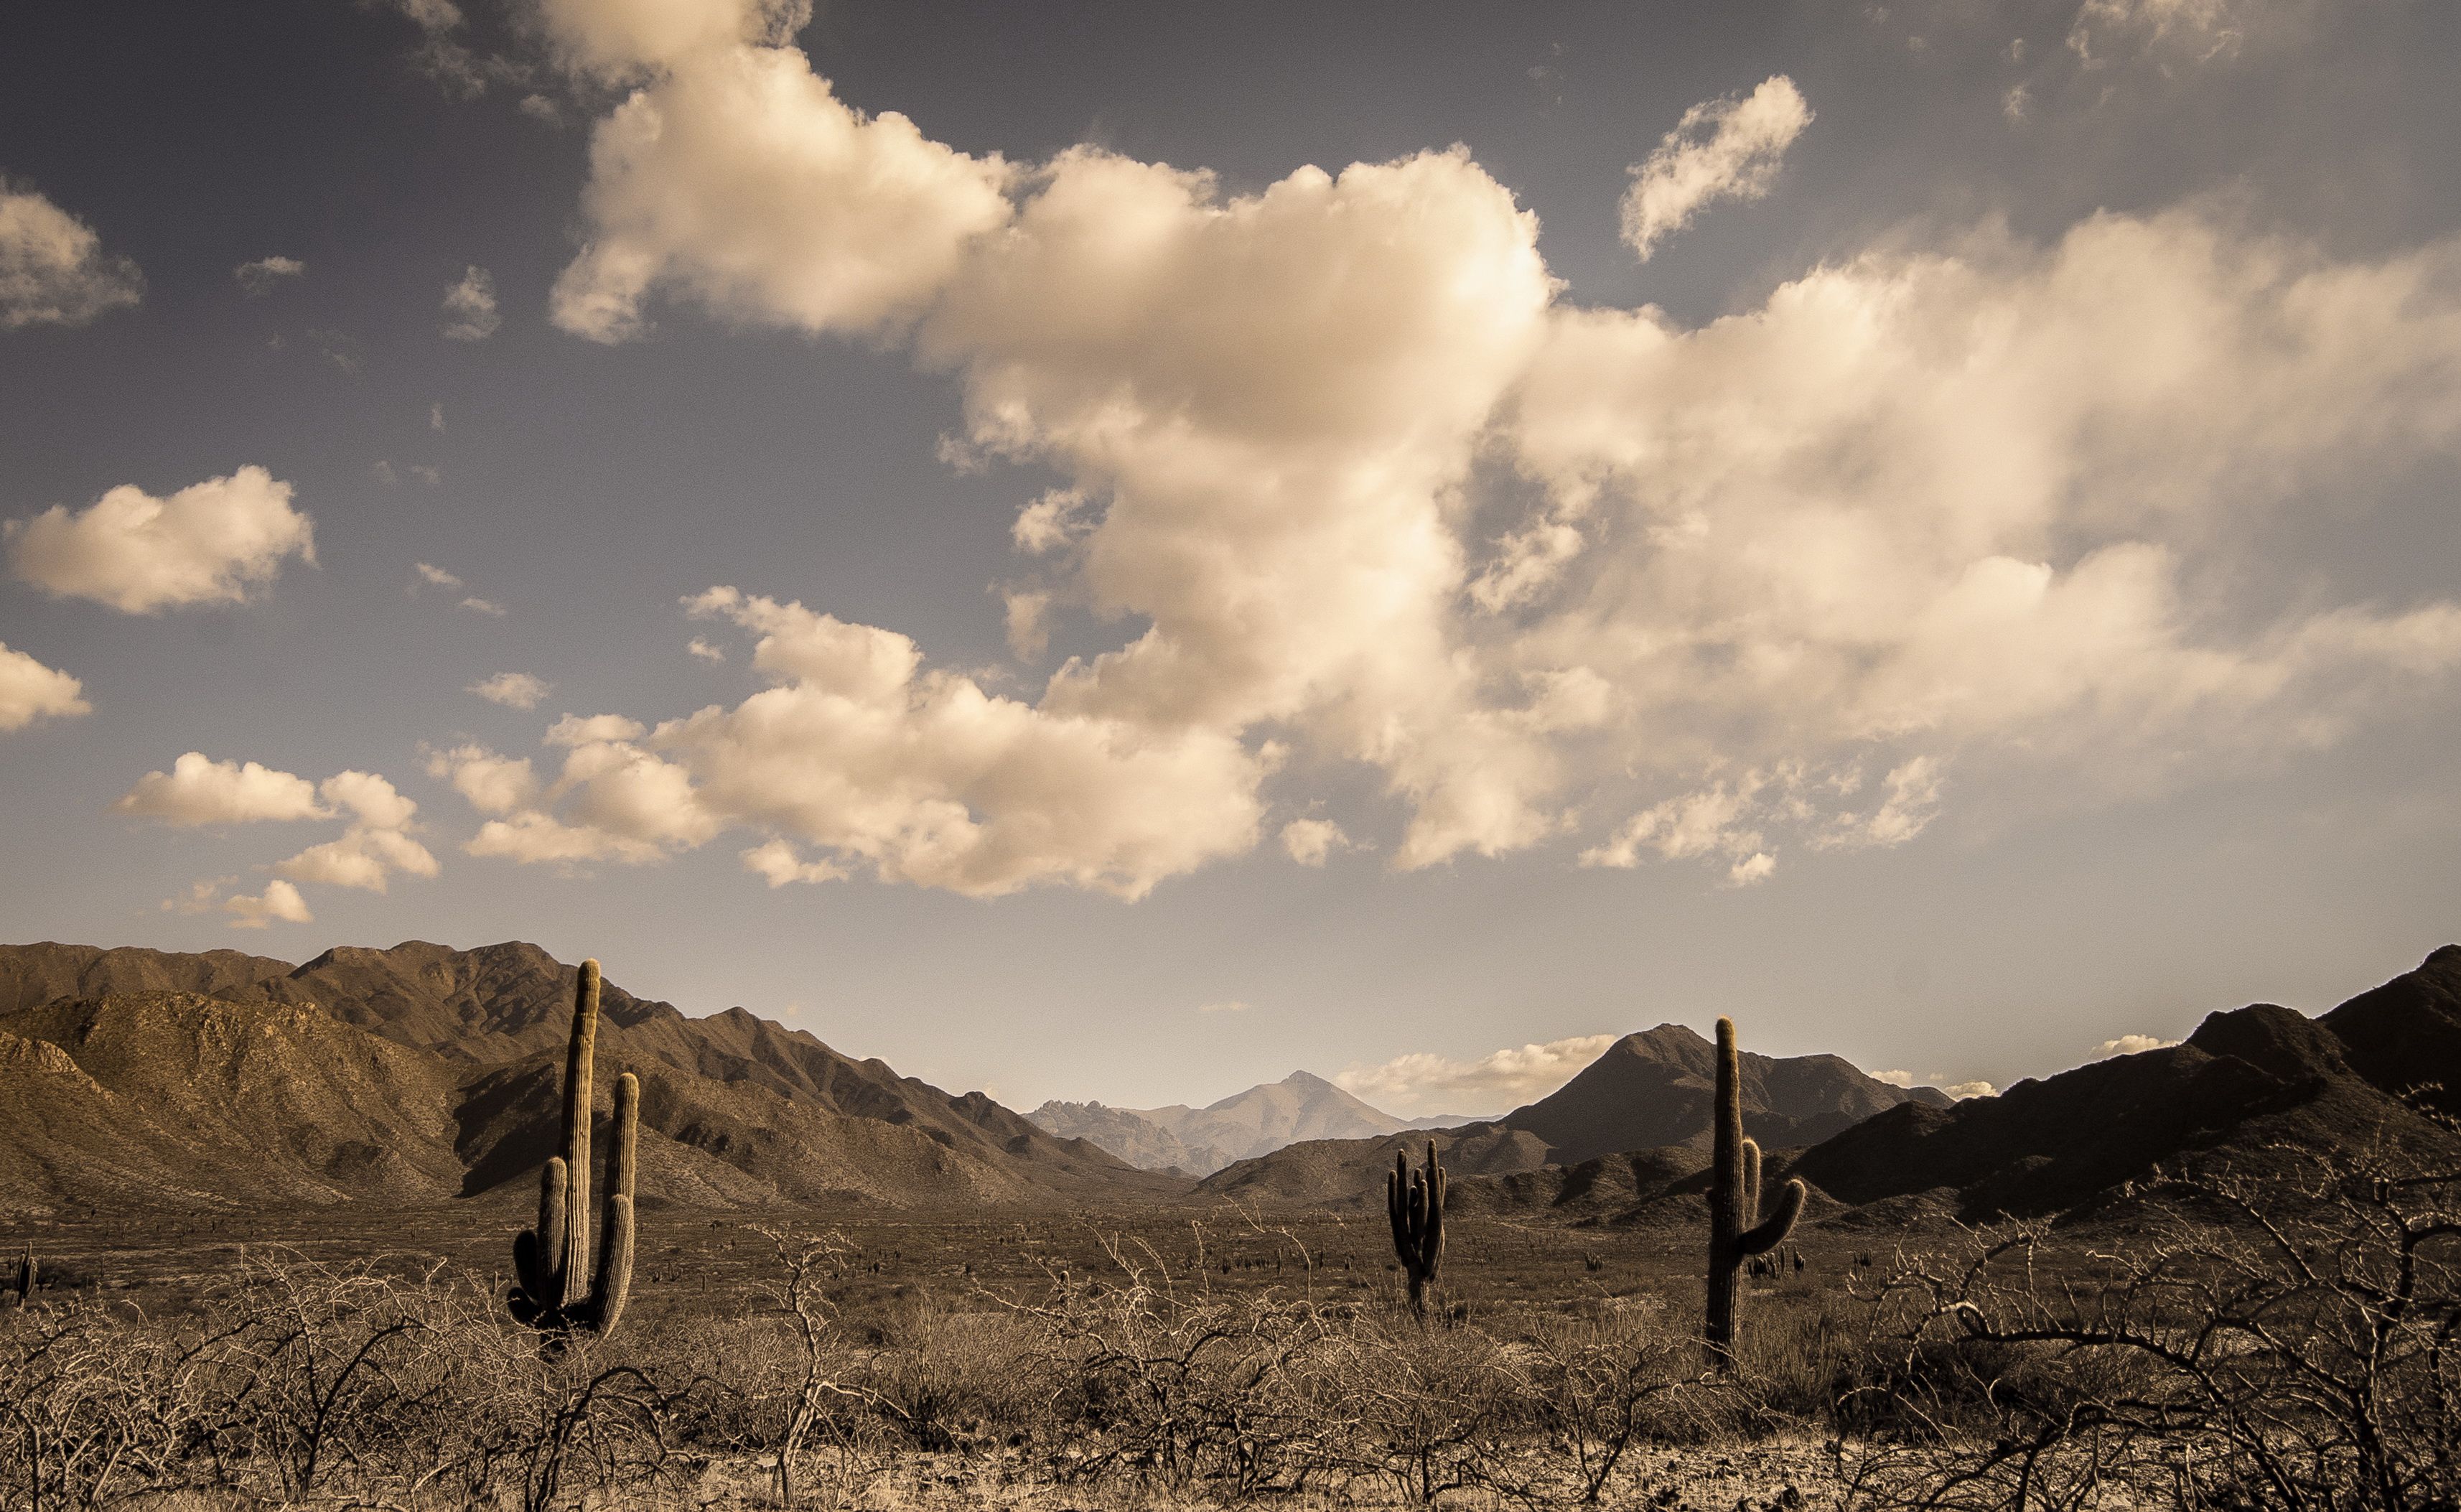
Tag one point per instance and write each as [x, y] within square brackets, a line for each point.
[580, 1064]
[1415, 1203]
[1735, 1230]
[553, 1259]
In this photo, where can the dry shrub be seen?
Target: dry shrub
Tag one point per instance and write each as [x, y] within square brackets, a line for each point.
[2278, 1342]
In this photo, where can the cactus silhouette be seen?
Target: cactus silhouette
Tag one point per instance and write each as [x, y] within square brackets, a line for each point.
[1737, 1233]
[552, 1259]
[24, 1285]
[1415, 1202]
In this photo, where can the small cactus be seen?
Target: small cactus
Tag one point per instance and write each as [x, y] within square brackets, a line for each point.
[1737, 1233]
[24, 1285]
[552, 1257]
[1415, 1202]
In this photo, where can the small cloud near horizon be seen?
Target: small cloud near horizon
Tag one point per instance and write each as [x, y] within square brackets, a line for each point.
[1427, 1083]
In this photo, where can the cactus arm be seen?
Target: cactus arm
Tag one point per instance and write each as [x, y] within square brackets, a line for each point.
[1772, 1233]
[612, 1285]
[1435, 1248]
[536, 1251]
[1751, 1206]
[1397, 1203]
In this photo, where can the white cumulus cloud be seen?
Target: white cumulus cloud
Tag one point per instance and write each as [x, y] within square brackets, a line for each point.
[1427, 1083]
[29, 691]
[198, 790]
[210, 543]
[376, 843]
[738, 179]
[52, 268]
[1723, 149]
[778, 862]
[279, 900]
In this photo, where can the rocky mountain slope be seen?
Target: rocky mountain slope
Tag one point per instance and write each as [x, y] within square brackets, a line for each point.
[2262, 1088]
[423, 1073]
[2255, 1086]
[1649, 1090]
[1246, 1124]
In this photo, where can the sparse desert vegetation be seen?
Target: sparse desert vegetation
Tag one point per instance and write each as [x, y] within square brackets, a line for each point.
[2218, 1342]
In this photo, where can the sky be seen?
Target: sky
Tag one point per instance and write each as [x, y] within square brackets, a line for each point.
[1118, 551]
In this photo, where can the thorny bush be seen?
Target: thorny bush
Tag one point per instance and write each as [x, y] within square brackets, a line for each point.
[2277, 1343]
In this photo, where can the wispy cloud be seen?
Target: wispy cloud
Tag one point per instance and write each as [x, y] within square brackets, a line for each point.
[259, 278]
[52, 268]
[470, 306]
[512, 689]
[1723, 149]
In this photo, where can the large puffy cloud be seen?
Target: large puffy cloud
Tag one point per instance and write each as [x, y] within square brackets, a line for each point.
[738, 178]
[52, 268]
[29, 691]
[1762, 583]
[1424, 1083]
[200, 790]
[210, 542]
[1276, 399]
[859, 750]
[1925, 502]
[1723, 149]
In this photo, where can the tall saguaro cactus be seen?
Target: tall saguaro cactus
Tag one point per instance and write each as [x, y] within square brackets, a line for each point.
[1415, 1202]
[1737, 1231]
[552, 1258]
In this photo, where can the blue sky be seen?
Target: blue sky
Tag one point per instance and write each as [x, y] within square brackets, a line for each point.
[1111, 551]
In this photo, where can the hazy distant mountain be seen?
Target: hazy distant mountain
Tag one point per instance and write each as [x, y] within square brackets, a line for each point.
[1649, 1090]
[1202, 1140]
[1449, 1121]
[1130, 1135]
[423, 1072]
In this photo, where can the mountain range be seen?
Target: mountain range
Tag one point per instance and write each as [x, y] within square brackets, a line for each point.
[426, 1074]
[1651, 1090]
[137, 1079]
